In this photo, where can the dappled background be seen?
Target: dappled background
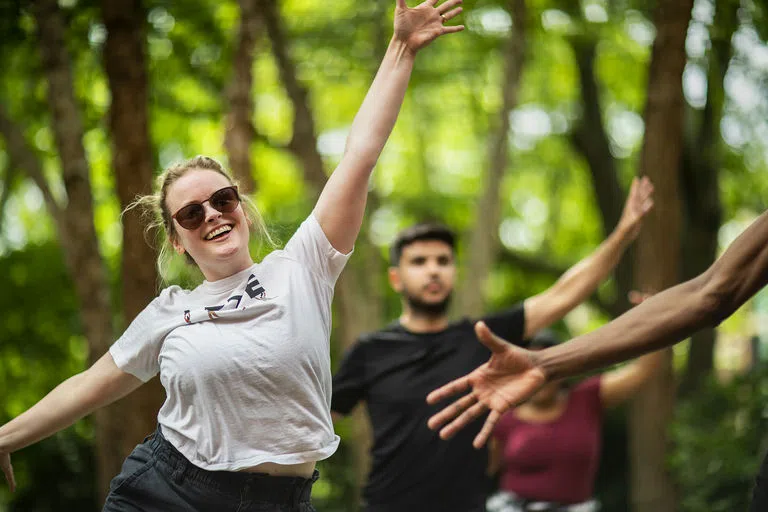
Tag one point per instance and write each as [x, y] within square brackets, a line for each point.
[523, 133]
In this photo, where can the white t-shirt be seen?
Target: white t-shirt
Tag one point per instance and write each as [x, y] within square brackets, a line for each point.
[245, 360]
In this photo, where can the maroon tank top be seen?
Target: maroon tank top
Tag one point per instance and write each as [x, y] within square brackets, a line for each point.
[555, 461]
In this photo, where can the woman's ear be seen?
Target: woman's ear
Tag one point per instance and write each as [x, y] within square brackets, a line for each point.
[176, 243]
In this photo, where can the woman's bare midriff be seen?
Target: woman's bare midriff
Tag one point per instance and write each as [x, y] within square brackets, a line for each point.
[304, 470]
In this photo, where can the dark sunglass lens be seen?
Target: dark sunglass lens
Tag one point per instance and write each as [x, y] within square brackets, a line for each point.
[191, 216]
[225, 200]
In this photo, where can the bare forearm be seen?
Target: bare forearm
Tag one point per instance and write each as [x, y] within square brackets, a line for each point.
[377, 115]
[71, 400]
[59, 409]
[673, 314]
[578, 283]
[342, 203]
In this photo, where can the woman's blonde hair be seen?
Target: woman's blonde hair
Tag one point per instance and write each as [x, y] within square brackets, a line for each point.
[158, 219]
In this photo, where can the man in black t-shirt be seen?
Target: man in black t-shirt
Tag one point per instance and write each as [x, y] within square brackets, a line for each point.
[392, 370]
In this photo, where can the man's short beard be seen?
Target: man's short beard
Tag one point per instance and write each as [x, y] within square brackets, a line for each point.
[427, 309]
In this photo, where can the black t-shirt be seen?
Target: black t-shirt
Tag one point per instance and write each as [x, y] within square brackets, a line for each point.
[393, 370]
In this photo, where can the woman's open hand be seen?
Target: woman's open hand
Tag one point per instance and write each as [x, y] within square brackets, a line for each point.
[419, 26]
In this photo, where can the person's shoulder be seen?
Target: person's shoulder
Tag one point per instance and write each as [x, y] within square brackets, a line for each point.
[171, 294]
[589, 387]
[461, 324]
[390, 332]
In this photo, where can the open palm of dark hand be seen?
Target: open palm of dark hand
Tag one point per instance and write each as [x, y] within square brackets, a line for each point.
[508, 378]
[420, 25]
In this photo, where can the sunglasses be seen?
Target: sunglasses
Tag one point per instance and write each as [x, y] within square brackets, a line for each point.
[224, 200]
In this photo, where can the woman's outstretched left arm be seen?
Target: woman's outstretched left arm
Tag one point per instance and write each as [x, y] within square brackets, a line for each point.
[340, 208]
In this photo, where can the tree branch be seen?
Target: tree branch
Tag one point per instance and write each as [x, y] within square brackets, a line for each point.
[10, 175]
[304, 141]
[239, 130]
[23, 157]
[484, 241]
[591, 140]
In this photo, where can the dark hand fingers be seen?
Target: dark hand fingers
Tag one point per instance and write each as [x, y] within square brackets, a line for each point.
[462, 421]
[450, 412]
[487, 430]
[401, 4]
[457, 386]
[490, 340]
[447, 6]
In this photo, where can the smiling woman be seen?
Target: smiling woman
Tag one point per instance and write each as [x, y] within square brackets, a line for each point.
[191, 212]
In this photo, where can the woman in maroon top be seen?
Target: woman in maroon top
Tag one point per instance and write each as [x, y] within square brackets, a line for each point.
[548, 449]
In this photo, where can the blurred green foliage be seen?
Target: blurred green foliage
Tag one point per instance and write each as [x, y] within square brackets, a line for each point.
[40, 346]
[719, 438]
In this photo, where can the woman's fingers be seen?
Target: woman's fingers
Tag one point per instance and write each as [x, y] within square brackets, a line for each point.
[447, 6]
[452, 14]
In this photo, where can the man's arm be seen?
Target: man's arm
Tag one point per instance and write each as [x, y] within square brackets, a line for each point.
[513, 374]
[581, 280]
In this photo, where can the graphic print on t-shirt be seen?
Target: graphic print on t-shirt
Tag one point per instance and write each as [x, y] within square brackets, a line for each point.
[253, 289]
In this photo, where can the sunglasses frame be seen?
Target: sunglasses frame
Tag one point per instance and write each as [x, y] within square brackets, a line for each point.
[201, 203]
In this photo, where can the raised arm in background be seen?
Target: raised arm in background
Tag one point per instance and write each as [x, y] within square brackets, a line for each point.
[581, 280]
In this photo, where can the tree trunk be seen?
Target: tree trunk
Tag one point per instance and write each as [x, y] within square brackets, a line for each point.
[77, 232]
[483, 240]
[304, 141]
[658, 250]
[135, 416]
[239, 129]
[700, 179]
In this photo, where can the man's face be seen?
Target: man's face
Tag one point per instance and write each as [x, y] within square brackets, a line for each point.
[425, 276]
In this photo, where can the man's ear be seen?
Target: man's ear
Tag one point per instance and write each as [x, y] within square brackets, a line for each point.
[394, 279]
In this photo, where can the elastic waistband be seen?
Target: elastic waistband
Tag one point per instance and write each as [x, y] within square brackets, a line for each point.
[267, 488]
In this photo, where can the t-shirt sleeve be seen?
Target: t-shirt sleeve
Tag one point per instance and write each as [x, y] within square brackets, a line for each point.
[311, 247]
[349, 381]
[137, 350]
[508, 323]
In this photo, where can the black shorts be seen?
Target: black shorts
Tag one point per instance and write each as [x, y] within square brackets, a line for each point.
[760, 492]
[157, 478]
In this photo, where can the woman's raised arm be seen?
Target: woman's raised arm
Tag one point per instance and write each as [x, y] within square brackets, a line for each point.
[340, 208]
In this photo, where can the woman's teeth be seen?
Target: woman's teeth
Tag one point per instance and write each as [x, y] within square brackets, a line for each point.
[216, 232]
